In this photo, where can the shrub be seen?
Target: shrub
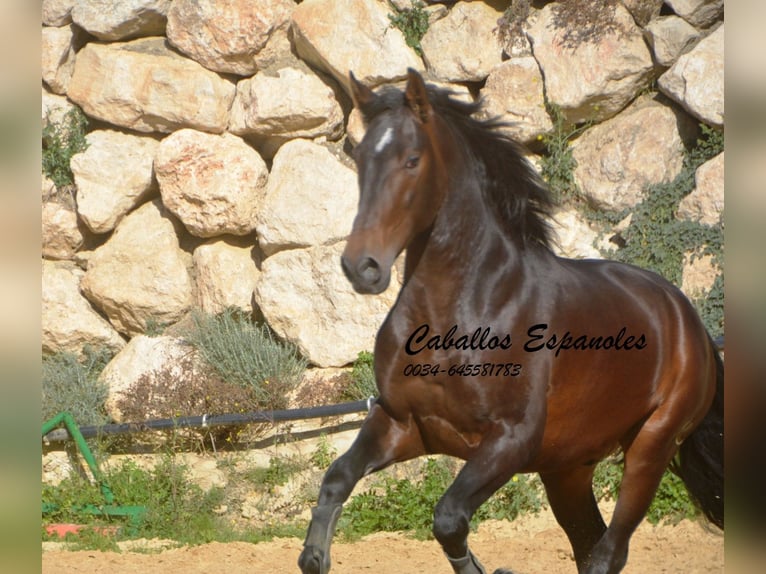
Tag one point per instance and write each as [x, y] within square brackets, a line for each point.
[363, 385]
[247, 354]
[404, 505]
[413, 22]
[60, 142]
[71, 384]
[176, 508]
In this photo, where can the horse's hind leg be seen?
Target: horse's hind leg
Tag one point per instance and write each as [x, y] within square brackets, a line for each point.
[570, 494]
[381, 441]
[646, 459]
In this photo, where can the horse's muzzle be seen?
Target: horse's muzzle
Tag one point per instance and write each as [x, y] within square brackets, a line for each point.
[366, 275]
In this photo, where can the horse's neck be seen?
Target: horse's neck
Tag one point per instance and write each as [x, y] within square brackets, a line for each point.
[464, 241]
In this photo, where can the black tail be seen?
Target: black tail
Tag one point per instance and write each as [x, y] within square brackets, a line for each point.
[701, 456]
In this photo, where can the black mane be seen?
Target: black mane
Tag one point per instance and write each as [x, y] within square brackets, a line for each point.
[521, 200]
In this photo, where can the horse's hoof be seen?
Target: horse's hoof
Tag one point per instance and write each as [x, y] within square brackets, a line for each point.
[503, 571]
[311, 561]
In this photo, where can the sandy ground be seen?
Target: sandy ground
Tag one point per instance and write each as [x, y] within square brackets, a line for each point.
[532, 545]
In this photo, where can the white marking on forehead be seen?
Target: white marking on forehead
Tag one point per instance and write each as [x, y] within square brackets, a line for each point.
[385, 139]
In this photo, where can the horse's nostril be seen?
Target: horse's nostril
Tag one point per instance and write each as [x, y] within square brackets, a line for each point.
[369, 270]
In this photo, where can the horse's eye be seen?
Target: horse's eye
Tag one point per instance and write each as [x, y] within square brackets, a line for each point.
[412, 162]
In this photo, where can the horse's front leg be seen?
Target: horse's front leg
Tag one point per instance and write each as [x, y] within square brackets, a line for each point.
[499, 457]
[381, 441]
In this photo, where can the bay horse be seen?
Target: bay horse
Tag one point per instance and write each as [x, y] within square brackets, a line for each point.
[505, 355]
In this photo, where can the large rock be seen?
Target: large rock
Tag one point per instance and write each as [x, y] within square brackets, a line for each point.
[226, 36]
[462, 47]
[575, 238]
[271, 109]
[614, 159]
[148, 360]
[145, 86]
[594, 78]
[121, 19]
[705, 203]
[54, 108]
[696, 80]
[341, 35]
[698, 275]
[141, 275]
[113, 176]
[311, 199]
[514, 94]
[61, 233]
[306, 299]
[669, 37]
[700, 13]
[68, 321]
[213, 183]
[225, 274]
[643, 11]
[57, 12]
[58, 57]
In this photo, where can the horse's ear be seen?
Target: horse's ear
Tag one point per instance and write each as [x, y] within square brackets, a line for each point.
[416, 96]
[362, 95]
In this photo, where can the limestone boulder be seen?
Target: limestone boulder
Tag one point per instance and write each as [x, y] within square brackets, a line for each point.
[61, 233]
[514, 93]
[698, 275]
[293, 103]
[696, 80]
[669, 37]
[57, 12]
[213, 183]
[616, 159]
[113, 176]
[68, 320]
[152, 359]
[576, 238]
[643, 11]
[307, 300]
[699, 13]
[54, 108]
[338, 36]
[227, 36]
[225, 274]
[145, 86]
[311, 199]
[595, 78]
[462, 46]
[58, 56]
[705, 203]
[141, 274]
[112, 20]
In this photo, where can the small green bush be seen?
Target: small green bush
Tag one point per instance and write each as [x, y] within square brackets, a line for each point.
[71, 384]
[176, 508]
[249, 355]
[363, 385]
[404, 505]
[61, 141]
[413, 22]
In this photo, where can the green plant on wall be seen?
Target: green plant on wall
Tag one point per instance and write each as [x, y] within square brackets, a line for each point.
[558, 164]
[655, 239]
[61, 141]
[413, 23]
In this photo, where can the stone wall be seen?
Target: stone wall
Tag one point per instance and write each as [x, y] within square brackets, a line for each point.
[218, 173]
